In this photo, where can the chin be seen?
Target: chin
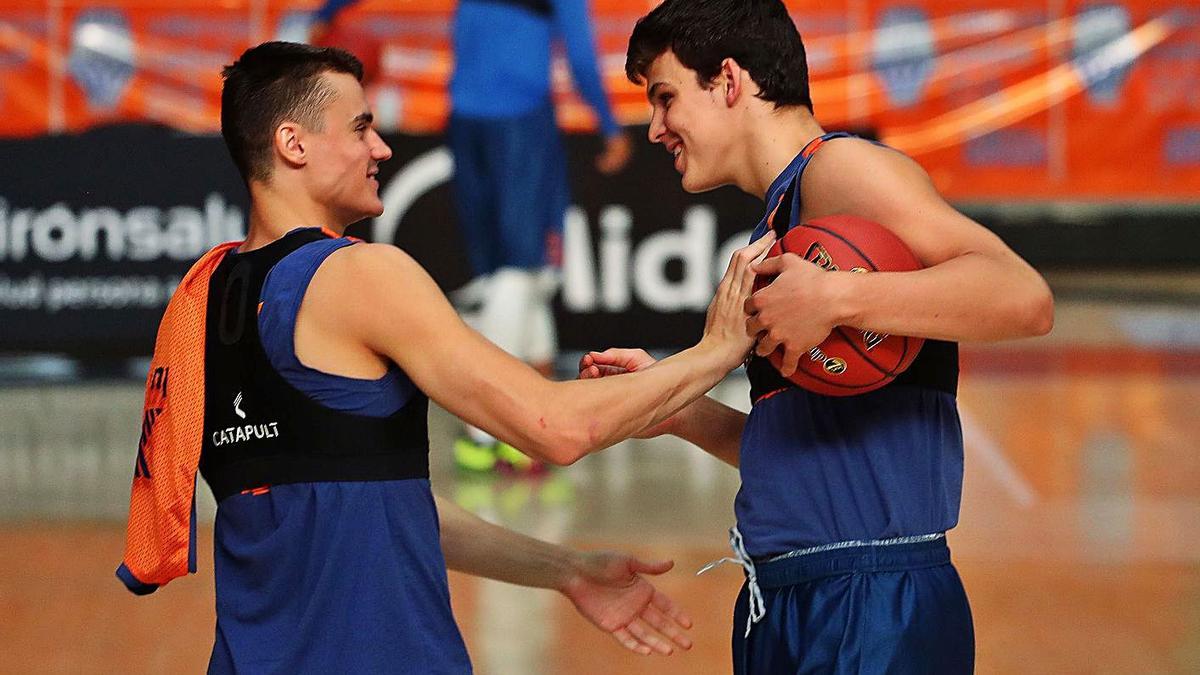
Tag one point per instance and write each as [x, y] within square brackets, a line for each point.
[371, 210]
[694, 185]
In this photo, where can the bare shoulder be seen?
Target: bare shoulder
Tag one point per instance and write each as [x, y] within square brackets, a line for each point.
[364, 277]
[371, 268]
[858, 177]
[367, 258]
[863, 153]
[854, 175]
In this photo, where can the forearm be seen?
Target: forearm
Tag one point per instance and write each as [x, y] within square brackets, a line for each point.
[974, 297]
[594, 414]
[714, 427]
[475, 546]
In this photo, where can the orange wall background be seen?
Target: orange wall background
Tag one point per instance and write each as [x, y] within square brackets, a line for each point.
[998, 99]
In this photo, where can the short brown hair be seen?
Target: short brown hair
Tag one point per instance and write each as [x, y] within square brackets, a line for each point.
[271, 83]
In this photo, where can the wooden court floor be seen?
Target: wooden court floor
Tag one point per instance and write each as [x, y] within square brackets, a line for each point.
[1077, 543]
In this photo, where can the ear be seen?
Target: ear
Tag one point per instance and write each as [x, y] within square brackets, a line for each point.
[733, 76]
[289, 144]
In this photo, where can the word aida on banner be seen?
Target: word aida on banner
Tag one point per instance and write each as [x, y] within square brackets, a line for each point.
[1004, 99]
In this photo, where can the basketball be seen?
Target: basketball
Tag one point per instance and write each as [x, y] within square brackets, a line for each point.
[851, 360]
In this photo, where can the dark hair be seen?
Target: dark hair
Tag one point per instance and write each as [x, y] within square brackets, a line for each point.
[271, 83]
[758, 34]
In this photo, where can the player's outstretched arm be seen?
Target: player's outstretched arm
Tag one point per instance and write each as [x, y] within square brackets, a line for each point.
[973, 286]
[390, 306]
[706, 422]
[608, 589]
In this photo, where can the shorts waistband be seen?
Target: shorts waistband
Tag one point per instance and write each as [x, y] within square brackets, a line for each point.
[879, 556]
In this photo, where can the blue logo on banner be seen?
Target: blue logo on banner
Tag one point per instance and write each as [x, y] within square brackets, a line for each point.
[1008, 148]
[18, 54]
[902, 53]
[1096, 27]
[101, 59]
[1182, 147]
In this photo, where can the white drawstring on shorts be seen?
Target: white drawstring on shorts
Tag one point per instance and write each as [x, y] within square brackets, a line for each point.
[758, 608]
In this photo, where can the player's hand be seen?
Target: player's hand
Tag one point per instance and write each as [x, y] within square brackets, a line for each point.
[609, 590]
[617, 361]
[725, 325]
[613, 361]
[616, 154]
[796, 311]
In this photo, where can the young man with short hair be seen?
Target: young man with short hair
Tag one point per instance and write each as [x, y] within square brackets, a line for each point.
[292, 370]
[845, 501]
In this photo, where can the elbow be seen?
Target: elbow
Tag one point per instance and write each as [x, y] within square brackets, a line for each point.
[566, 456]
[560, 455]
[561, 449]
[1038, 314]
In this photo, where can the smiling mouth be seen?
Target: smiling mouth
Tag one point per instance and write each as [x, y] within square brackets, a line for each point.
[677, 156]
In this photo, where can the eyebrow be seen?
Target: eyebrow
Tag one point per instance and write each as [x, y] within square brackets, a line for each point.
[362, 117]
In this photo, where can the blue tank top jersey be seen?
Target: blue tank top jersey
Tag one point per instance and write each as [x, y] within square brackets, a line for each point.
[370, 549]
[819, 470]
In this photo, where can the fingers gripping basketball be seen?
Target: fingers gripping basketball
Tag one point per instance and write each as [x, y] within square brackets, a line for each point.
[851, 360]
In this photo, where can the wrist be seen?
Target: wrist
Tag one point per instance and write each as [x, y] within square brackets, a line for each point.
[842, 293]
[567, 576]
[720, 355]
[574, 578]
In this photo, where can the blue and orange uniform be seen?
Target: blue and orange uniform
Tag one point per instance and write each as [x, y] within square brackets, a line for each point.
[327, 546]
[842, 513]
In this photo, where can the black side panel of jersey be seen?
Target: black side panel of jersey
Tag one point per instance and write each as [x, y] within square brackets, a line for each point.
[936, 367]
[539, 7]
[259, 429]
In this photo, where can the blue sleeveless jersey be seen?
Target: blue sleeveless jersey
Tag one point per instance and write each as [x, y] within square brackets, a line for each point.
[818, 469]
[367, 553]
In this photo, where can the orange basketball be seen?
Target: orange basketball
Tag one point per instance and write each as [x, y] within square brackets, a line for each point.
[851, 360]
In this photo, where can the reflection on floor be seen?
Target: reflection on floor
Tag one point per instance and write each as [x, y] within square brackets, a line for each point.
[1077, 542]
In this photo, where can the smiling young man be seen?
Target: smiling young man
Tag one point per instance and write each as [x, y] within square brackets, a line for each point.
[844, 504]
[292, 371]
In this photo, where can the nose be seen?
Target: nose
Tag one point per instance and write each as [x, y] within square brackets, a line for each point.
[657, 127]
[380, 151]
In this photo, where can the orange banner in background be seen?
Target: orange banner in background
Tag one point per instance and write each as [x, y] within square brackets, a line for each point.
[998, 99]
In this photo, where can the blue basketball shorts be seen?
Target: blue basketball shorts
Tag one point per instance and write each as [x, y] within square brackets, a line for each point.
[898, 609]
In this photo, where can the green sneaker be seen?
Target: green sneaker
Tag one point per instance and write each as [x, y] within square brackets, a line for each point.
[472, 456]
[515, 461]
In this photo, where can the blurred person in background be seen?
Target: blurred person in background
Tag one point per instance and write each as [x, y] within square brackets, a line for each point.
[511, 188]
